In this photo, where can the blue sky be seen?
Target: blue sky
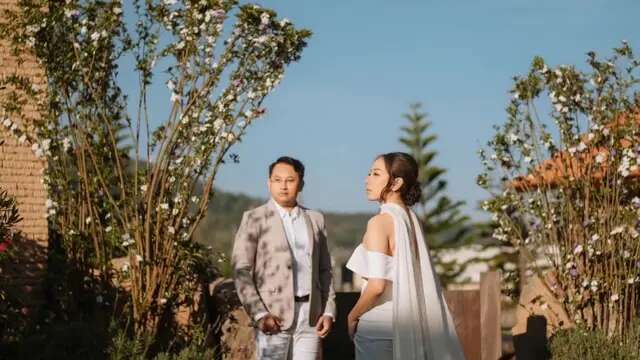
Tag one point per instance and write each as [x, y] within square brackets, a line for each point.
[342, 104]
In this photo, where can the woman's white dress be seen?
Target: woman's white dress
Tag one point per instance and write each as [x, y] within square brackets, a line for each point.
[410, 319]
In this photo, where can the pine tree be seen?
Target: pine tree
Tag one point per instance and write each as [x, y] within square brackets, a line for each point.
[443, 224]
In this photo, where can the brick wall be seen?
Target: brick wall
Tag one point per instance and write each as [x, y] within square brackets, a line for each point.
[21, 176]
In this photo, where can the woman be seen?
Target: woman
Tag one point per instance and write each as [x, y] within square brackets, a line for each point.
[401, 312]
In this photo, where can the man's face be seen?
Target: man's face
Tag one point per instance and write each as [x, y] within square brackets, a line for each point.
[284, 184]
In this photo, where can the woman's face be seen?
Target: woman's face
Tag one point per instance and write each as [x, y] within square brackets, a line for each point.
[376, 180]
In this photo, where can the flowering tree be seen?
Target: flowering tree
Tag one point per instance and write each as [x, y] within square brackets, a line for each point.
[576, 213]
[131, 184]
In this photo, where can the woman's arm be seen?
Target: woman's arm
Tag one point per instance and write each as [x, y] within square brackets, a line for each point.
[376, 239]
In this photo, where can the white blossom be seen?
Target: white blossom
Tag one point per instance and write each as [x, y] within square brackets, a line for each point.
[71, 13]
[218, 124]
[578, 250]
[46, 144]
[264, 19]
[66, 144]
[582, 147]
[127, 240]
[617, 230]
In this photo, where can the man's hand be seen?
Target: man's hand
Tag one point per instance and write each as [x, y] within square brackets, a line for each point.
[323, 326]
[270, 324]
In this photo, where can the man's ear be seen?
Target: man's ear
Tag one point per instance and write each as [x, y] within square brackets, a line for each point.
[397, 184]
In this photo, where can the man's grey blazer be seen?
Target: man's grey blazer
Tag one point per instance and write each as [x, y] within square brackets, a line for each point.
[263, 266]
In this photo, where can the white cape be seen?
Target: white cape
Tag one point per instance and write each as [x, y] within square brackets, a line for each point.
[423, 327]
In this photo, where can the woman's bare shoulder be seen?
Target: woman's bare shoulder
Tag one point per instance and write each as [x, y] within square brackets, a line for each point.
[379, 232]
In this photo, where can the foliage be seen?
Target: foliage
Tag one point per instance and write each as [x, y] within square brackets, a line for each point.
[9, 218]
[102, 203]
[583, 344]
[83, 340]
[576, 213]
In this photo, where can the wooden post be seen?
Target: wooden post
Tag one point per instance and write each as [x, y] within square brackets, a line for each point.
[465, 311]
[490, 316]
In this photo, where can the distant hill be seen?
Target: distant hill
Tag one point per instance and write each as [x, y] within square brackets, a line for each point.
[219, 226]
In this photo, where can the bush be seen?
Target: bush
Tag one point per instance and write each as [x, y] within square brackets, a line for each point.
[9, 217]
[583, 344]
[561, 171]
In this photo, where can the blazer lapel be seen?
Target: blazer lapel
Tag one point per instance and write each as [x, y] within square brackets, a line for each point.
[311, 245]
[275, 223]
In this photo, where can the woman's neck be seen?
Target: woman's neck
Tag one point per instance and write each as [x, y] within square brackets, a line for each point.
[396, 201]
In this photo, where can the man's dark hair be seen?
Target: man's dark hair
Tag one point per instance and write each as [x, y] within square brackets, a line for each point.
[295, 163]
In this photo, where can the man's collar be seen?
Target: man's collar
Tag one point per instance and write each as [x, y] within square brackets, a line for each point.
[295, 212]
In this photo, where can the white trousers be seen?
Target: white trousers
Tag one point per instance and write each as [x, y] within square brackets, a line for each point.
[298, 343]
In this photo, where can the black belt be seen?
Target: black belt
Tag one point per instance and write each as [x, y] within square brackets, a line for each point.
[304, 298]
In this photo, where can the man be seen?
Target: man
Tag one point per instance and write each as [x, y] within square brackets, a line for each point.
[282, 269]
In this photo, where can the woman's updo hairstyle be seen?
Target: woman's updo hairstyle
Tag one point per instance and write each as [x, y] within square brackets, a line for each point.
[404, 166]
